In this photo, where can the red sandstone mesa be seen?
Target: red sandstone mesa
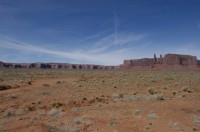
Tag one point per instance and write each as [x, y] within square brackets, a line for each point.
[169, 61]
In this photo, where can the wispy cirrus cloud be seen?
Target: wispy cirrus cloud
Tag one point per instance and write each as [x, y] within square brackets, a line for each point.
[108, 47]
[111, 41]
[103, 51]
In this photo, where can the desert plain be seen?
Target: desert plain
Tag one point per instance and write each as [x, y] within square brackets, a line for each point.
[42, 100]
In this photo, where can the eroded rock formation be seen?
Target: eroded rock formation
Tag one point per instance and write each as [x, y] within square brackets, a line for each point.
[139, 62]
[169, 61]
[1, 64]
[175, 61]
[57, 66]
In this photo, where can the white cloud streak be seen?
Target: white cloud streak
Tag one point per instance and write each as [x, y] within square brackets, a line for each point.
[110, 41]
[101, 53]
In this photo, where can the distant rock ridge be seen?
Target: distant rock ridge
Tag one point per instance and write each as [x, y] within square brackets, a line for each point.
[56, 66]
[169, 61]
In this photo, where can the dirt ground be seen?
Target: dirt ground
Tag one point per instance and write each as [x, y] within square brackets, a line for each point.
[102, 101]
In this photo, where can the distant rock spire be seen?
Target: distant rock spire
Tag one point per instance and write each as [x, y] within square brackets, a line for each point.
[155, 59]
[161, 59]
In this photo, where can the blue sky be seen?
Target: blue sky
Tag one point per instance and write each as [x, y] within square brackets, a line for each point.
[97, 31]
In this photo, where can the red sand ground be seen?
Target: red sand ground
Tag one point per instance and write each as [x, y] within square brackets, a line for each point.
[72, 104]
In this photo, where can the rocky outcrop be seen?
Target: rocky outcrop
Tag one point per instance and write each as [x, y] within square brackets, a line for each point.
[139, 62]
[170, 61]
[35, 65]
[145, 62]
[1, 64]
[8, 65]
[175, 59]
[57, 66]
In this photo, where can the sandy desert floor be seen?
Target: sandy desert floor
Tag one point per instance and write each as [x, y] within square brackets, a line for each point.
[102, 101]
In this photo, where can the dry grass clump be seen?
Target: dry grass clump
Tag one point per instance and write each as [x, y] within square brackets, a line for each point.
[54, 112]
[112, 123]
[152, 116]
[176, 126]
[81, 120]
[196, 120]
[160, 98]
[137, 112]
[13, 96]
[186, 89]
[63, 128]
[152, 91]
[56, 104]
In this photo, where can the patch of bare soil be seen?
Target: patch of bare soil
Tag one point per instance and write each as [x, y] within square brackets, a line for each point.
[111, 101]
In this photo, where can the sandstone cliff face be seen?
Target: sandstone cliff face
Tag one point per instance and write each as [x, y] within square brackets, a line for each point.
[8, 65]
[58, 66]
[139, 62]
[174, 59]
[170, 61]
[145, 62]
[35, 65]
[1, 64]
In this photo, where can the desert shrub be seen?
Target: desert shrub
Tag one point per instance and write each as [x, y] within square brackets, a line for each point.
[187, 90]
[13, 96]
[1, 79]
[176, 126]
[8, 114]
[137, 112]
[196, 120]
[78, 120]
[58, 82]
[63, 128]
[54, 112]
[30, 82]
[46, 85]
[56, 104]
[152, 91]
[152, 116]
[76, 109]
[121, 95]
[84, 98]
[160, 98]
[112, 123]
[169, 78]
[153, 81]
[30, 108]
[118, 95]
[194, 129]
[41, 113]
[78, 85]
